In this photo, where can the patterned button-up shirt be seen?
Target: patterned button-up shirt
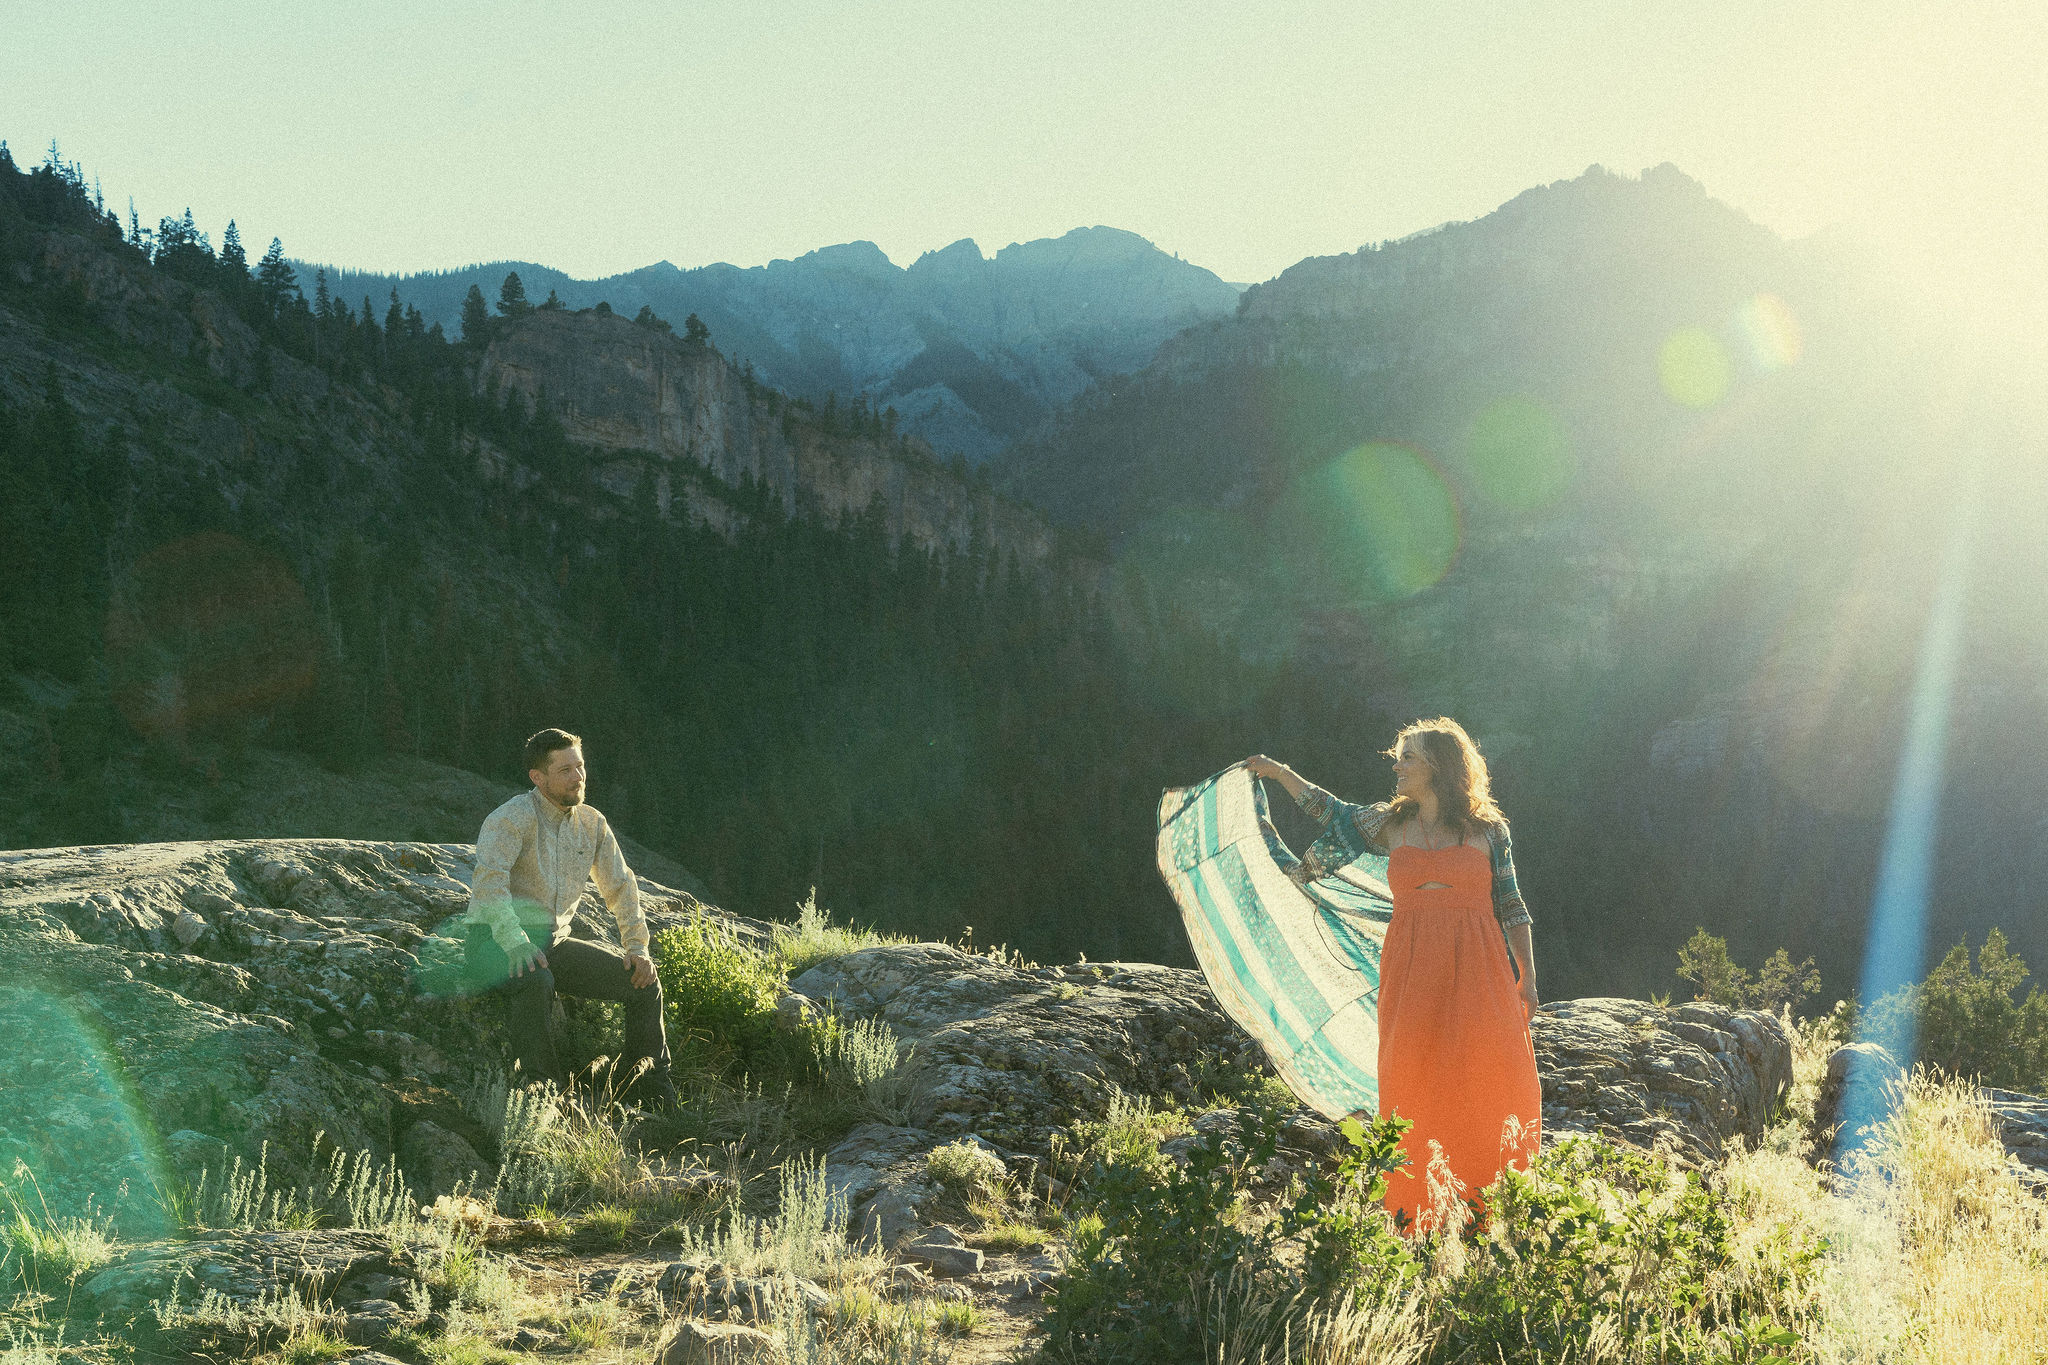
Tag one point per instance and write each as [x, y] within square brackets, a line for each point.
[532, 860]
[1350, 832]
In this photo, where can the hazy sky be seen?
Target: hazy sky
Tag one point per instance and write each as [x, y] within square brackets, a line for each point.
[597, 137]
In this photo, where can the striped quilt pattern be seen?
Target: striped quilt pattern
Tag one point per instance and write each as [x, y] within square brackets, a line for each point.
[1297, 968]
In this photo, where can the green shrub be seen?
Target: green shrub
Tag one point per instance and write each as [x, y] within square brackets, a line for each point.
[864, 1060]
[1778, 984]
[721, 1002]
[1595, 1236]
[1153, 1238]
[355, 1190]
[39, 1249]
[1970, 1023]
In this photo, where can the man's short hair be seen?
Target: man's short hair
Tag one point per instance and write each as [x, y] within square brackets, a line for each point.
[546, 743]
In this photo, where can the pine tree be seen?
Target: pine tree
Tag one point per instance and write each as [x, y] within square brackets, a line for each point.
[234, 262]
[276, 277]
[553, 304]
[695, 333]
[476, 317]
[322, 301]
[394, 316]
[512, 297]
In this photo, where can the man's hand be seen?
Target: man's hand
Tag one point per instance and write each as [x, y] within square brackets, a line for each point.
[526, 959]
[642, 970]
[1258, 765]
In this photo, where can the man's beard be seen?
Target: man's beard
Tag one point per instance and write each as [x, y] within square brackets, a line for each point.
[570, 799]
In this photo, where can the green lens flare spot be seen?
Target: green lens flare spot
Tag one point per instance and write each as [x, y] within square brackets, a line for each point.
[1518, 454]
[1693, 367]
[1376, 524]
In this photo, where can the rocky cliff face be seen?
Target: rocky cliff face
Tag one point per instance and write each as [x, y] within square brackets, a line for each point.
[639, 391]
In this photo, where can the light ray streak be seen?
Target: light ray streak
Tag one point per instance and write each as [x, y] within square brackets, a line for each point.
[1896, 953]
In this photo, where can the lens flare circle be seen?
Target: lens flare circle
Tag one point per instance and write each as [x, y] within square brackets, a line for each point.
[1519, 454]
[1772, 332]
[1377, 524]
[1693, 367]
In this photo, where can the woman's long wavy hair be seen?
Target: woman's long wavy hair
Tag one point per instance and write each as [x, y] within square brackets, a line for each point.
[1464, 791]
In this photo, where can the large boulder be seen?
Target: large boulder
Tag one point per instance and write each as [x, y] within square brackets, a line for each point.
[169, 1003]
[1685, 1077]
[1012, 1053]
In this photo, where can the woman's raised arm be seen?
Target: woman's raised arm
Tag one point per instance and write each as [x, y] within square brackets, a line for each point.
[1258, 765]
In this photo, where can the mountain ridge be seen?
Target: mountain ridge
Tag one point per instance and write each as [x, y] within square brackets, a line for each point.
[971, 349]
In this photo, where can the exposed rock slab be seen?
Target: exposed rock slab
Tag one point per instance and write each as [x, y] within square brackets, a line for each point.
[241, 1266]
[1013, 1054]
[1689, 1077]
[235, 993]
[2023, 1126]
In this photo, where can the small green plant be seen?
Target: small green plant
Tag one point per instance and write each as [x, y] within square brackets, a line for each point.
[461, 1272]
[955, 1319]
[1596, 1237]
[275, 1313]
[556, 1149]
[40, 1250]
[1000, 1232]
[865, 1059]
[605, 1227]
[965, 1169]
[721, 998]
[806, 1236]
[23, 1346]
[312, 1346]
[814, 938]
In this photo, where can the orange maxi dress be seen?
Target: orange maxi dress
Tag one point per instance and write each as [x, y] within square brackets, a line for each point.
[1455, 1057]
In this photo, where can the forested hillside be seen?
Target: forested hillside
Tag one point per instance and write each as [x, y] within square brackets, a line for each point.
[245, 523]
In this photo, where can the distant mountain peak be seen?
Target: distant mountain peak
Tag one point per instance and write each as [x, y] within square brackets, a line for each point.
[965, 252]
[863, 256]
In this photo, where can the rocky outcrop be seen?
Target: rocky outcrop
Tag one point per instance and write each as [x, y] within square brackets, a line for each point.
[1688, 1077]
[627, 388]
[175, 1003]
[1010, 1055]
[2023, 1127]
[168, 1003]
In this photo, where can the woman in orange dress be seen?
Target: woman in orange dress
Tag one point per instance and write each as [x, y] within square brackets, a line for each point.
[1454, 1056]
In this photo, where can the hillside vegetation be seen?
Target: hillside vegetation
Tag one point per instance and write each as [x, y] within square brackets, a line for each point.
[244, 520]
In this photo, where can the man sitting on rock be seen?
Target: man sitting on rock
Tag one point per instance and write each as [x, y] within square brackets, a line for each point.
[532, 858]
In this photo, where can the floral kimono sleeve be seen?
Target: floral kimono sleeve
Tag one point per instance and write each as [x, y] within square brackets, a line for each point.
[1349, 833]
[1508, 905]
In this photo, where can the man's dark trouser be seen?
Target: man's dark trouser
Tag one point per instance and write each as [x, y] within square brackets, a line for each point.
[579, 967]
